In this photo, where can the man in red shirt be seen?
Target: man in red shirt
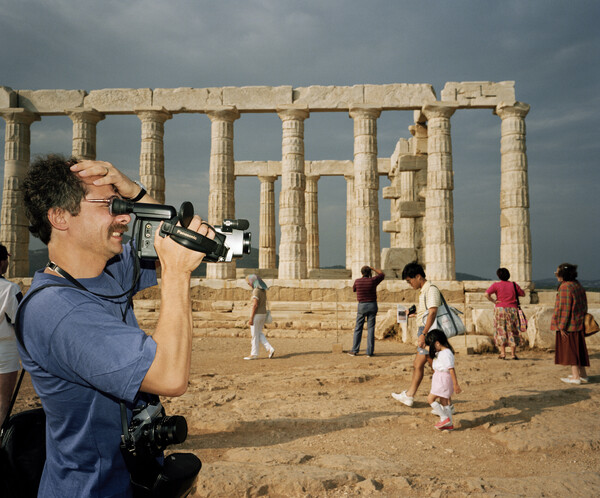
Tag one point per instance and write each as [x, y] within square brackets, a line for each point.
[366, 293]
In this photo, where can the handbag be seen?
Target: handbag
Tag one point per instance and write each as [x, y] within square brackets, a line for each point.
[590, 325]
[521, 313]
[22, 450]
[446, 319]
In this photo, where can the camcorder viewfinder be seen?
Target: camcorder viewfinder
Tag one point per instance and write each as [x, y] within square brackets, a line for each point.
[231, 240]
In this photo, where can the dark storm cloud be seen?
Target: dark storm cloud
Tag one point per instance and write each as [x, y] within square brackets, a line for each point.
[548, 47]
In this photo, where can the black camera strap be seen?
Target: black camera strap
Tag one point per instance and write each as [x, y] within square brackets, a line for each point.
[214, 249]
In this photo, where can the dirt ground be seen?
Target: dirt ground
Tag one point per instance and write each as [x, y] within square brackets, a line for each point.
[311, 423]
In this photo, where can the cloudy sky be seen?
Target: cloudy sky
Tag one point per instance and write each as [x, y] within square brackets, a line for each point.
[548, 47]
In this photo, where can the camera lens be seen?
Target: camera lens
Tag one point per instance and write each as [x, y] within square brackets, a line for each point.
[170, 430]
[246, 243]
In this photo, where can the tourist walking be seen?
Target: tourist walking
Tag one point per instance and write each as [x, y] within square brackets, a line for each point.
[366, 295]
[258, 316]
[444, 381]
[568, 322]
[10, 295]
[506, 313]
[430, 300]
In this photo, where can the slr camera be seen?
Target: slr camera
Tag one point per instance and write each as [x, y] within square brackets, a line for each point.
[230, 242]
[142, 444]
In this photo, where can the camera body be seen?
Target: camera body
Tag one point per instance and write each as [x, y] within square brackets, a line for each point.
[231, 240]
[412, 310]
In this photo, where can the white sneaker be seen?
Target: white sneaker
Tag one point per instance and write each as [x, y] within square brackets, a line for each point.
[250, 357]
[271, 353]
[451, 411]
[584, 380]
[569, 380]
[403, 398]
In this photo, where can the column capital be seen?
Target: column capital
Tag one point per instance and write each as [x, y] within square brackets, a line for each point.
[439, 110]
[364, 111]
[516, 109]
[348, 177]
[315, 178]
[85, 114]
[19, 115]
[223, 113]
[267, 178]
[153, 113]
[293, 111]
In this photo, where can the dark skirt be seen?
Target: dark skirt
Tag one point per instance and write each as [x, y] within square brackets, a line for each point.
[571, 350]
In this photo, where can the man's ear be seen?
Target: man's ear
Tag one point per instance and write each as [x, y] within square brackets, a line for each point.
[59, 218]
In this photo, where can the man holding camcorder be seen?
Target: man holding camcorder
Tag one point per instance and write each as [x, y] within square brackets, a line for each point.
[79, 337]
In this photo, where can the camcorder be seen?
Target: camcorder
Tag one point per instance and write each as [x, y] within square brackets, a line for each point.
[142, 445]
[231, 240]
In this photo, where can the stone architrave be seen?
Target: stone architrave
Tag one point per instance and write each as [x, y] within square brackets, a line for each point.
[439, 206]
[292, 246]
[349, 219]
[366, 242]
[84, 132]
[221, 197]
[312, 222]
[266, 242]
[515, 235]
[152, 152]
[14, 232]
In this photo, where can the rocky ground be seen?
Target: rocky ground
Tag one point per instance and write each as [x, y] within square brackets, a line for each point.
[313, 423]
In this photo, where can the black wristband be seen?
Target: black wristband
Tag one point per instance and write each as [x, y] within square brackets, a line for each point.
[141, 194]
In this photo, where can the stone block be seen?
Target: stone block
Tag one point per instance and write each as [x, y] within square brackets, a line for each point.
[257, 98]
[409, 162]
[328, 98]
[396, 258]
[388, 326]
[399, 95]
[8, 97]
[337, 347]
[50, 102]
[472, 344]
[118, 100]
[411, 209]
[479, 94]
[483, 321]
[187, 99]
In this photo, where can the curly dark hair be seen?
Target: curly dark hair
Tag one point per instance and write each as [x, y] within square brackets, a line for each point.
[50, 183]
[503, 274]
[567, 272]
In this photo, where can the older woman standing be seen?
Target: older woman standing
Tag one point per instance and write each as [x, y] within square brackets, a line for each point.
[258, 316]
[567, 320]
[506, 316]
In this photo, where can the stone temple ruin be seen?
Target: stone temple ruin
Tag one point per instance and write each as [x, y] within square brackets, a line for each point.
[420, 168]
[303, 295]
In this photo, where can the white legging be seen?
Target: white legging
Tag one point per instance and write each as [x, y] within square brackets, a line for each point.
[257, 334]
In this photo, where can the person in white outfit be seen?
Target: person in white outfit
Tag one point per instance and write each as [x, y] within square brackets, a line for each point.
[10, 295]
[444, 382]
[258, 316]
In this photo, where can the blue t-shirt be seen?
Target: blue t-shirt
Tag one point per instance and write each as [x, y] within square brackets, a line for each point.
[83, 360]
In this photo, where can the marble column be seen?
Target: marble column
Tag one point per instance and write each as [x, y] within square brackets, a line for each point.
[312, 223]
[221, 197]
[84, 132]
[349, 219]
[266, 242]
[152, 153]
[440, 263]
[14, 232]
[515, 235]
[292, 246]
[366, 245]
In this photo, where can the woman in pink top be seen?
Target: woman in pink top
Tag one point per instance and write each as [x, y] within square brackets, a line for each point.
[506, 316]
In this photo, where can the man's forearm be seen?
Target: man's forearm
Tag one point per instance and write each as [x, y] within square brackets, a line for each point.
[169, 373]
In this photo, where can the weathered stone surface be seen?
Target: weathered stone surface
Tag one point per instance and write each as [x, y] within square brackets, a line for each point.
[396, 258]
[399, 95]
[8, 97]
[264, 98]
[479, 94]
[187, 99]
[476, 343]
[50, 102]
[324, 98]
[118, 100]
